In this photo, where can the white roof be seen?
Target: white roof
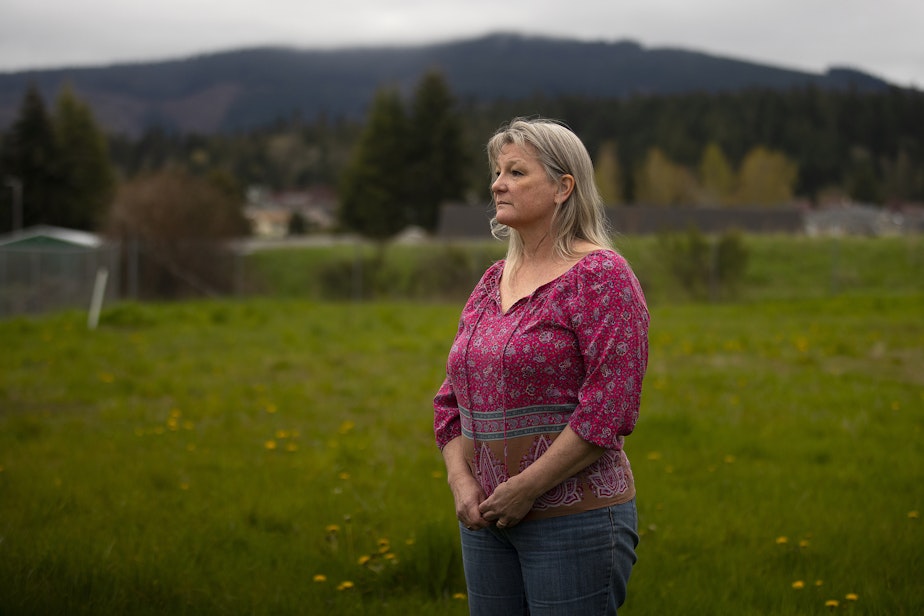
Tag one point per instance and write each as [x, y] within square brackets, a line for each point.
[69, 236]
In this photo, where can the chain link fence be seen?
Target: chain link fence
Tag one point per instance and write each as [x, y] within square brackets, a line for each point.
[42, 278]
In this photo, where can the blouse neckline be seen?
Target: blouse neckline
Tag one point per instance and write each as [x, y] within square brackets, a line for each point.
[496, 292]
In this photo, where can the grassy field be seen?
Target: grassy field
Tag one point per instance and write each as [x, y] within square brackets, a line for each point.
[778, 268]
[275, 456]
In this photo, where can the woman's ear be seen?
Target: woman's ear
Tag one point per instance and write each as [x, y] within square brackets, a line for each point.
[565, 188]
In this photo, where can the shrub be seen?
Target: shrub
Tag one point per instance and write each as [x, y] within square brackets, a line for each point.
[706, 269]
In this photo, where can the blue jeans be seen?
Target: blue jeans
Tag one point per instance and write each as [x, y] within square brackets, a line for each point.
[571, 565]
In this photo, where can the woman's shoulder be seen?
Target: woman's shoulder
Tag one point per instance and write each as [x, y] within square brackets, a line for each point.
[489, 283]
[603, 273]
[601, 261]
[491, 276]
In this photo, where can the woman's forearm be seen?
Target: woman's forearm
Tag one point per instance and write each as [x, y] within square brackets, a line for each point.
[454, 457]
[466, 491]
[513, 499]
[567, 455]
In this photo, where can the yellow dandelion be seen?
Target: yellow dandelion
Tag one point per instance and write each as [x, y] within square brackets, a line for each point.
[364, 559]
[804, 543]
[332, 528]
[914, 515]
[320, 577]
[184, 486]
[345, 585]
[390, 556]
[819, 583]
[291, 447]
[344, 475]
[798, 584]
[270, 408]
[282, 434]
[347, 427]
[782, 540]
[832, 603]
[409, 541]
[270, 444]
[654, 456]
[852, 596]
[437, 474]
[729, 459]
[459, 596]
[177, 413]
[384, 545]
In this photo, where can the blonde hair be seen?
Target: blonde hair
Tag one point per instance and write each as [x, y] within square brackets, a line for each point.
[561, 152]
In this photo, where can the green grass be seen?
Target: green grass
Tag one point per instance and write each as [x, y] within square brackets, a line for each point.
[779, 267]
[215, 457]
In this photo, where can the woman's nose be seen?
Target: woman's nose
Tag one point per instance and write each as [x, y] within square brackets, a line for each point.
[497, 185]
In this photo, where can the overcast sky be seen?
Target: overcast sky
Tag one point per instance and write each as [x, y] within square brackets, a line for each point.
[882, 37]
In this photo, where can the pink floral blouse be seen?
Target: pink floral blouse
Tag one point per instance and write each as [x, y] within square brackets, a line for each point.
[573, 353]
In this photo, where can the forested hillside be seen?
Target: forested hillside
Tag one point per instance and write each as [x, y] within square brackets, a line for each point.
[245, 89]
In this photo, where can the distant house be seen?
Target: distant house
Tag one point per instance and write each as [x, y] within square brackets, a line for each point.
[271, 213]
[855, 219]
[45, 268]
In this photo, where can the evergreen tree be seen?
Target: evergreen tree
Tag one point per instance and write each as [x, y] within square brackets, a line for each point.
[373, 191]
[29, 157]
[861, 182]
[87, 177]
[437, 166]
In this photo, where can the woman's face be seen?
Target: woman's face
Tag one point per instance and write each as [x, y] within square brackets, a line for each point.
[524, 196]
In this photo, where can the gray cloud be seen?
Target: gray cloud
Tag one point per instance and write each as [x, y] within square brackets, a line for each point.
[881, 38]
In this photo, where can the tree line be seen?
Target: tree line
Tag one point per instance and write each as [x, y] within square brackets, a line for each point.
[55, 165]
[415, 150]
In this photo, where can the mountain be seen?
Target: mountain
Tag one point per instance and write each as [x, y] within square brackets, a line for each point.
[248, 88]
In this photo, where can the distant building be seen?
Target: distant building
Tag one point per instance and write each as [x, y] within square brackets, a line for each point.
[46, 268]
[271, 213]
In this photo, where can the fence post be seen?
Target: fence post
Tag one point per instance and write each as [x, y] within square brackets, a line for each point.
[358, 272]
[96, 303]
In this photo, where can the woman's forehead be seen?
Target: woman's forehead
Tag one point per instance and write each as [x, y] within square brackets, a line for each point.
[513, 151]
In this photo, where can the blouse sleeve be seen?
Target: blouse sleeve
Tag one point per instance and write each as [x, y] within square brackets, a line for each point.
[610, 320]
[446, 422]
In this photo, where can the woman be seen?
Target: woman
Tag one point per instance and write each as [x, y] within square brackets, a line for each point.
[543, 383]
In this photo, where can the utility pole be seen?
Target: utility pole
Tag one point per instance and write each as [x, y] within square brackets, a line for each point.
[15, 185]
